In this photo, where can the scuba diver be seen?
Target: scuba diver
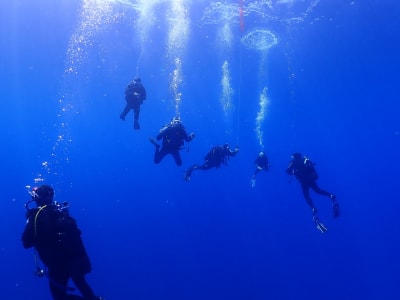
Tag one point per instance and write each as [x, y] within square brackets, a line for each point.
[214, 158]
[135, 94]
[261, 163]
[173, 136]
[57, 241]
[303, 169]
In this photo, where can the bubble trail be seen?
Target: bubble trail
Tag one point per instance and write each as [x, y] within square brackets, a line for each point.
[263, 106]
[179, 31]
[175, 85]
[93, 16]
[227, 90]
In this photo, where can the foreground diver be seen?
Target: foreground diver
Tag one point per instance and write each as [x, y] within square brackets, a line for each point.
[135, 94]
[261, 163]
[57, 240]
[303, 169]
[173, 136]
[214, 158]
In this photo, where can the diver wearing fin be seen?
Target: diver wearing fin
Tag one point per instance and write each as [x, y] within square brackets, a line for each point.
[217, 156]
[261, 163]
[135, 94]
[305, 173]
[173, 136]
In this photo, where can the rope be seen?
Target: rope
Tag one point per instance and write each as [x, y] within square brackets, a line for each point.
[240, 97]
[241, 22]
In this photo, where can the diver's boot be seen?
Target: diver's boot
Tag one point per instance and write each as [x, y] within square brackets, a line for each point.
[136, 125]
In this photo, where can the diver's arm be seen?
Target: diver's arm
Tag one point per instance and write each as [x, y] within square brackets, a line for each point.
[28, 240]
[233, 152]
[162, 133]
[290, 169]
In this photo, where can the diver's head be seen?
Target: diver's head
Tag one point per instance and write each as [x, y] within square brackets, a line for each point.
[296, 155]
[43, 195]
[136, 79]
[226, 146]
[261, 154]
[175, 120]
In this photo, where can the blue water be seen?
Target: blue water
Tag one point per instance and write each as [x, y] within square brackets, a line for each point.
[324, 82]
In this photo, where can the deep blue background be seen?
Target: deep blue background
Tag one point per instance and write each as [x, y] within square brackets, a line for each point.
[333, 88]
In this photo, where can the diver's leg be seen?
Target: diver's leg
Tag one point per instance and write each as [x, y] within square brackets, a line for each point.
[305, 188]
[206, 166]
[188, 172]
[159, 154]
[58, 280]
[253, 179]
[318, 190]
[335, 203]
[136, 111]
[177, 157]
[125, 111]
[83, 286]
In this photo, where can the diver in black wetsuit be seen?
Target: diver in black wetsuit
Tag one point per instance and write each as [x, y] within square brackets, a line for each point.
[261, 163]
[173, 136]
[57, 239]
[214, 158]
[135, 94]
[303, 169]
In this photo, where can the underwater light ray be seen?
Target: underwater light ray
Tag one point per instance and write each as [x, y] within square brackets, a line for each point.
[93, 17]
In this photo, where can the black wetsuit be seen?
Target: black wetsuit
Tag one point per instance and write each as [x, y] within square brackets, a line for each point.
[173, 137]
[135, 94]
[216, 156]
[58, 242]
[213, 159]
[261, 163]
[306, 174]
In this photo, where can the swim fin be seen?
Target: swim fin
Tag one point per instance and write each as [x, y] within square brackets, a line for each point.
[253, 182]
[320, 226]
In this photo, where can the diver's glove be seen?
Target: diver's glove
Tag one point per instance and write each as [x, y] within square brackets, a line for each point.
[320, 226]
[335, 209]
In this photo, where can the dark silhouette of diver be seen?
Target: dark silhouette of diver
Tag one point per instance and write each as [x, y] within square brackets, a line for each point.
[135, 94]
[304, 171]
[57, 241]
[261, 163]
[173, 136]
[214, 158]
